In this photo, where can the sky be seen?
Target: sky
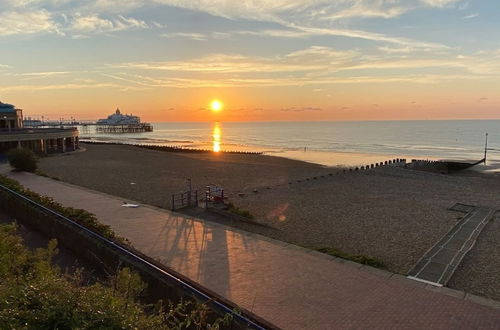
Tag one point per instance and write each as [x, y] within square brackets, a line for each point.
[279, 60]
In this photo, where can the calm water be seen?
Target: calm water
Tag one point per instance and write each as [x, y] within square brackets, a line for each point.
[330, 143]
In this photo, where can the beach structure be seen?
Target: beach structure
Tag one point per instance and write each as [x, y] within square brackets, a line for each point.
[40, 140]
[10, 116]
[122, 123]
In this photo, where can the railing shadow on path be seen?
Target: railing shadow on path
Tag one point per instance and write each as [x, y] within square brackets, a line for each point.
[200, 249]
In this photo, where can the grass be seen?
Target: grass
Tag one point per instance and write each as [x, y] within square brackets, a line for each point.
[41, 173]
[243, 213]
[359, 258]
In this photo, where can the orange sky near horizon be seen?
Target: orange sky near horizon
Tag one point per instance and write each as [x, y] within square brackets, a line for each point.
[277, 60]
[368, 102]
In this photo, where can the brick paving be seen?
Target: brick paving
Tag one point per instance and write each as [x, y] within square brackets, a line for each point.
[291, 287]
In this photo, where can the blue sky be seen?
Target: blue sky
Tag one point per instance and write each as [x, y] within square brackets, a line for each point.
[328, 60]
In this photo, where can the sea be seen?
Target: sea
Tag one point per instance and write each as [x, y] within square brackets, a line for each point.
[328, 143]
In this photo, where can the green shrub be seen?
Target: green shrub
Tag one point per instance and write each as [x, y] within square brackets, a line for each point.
[22, 159]
[34, 294]
[243, 213]
[80, 216]
[365, 260]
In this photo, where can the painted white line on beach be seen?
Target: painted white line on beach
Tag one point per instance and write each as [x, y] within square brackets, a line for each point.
[424, 281]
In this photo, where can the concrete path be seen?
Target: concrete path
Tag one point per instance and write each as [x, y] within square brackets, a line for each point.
[440, 262]
[289, 286]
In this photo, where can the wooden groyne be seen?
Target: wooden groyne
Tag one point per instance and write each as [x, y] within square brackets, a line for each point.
[397, 162]
[443, 166]
[172, 148]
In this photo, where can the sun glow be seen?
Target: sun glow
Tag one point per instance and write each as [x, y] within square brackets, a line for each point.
[216, 134]
[216, 106]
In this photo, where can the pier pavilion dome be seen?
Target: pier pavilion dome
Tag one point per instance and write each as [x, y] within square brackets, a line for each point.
[10, 116]
[119, 119]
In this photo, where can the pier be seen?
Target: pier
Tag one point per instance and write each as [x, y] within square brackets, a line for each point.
[141, 128]
[99, 127]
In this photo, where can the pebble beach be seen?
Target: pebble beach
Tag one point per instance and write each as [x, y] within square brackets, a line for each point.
[391, 214]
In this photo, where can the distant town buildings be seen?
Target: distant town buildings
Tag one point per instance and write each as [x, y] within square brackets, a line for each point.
[39, 140]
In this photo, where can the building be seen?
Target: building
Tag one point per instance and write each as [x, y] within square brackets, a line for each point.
[120, 123]
[118, 119]
[10, 116]
[39, 140]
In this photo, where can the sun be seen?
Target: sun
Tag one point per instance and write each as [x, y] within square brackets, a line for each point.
[216, 106]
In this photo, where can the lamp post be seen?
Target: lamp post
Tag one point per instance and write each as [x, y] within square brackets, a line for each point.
[485, 148]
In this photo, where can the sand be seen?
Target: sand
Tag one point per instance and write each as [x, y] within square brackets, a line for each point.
[391, 214]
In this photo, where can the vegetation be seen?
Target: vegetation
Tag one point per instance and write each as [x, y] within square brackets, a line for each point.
[243, 213]
[83, 217]
[365, 260]
[22, 159]
[34, 294]
[41, 173]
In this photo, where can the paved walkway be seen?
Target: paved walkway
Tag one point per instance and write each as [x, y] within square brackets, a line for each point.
[289, 286]
[440, 262]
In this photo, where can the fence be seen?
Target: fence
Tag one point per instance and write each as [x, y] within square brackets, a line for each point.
[214, 194]
[188, 198]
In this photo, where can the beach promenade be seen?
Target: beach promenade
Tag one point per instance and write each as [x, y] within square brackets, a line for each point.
[290, 287]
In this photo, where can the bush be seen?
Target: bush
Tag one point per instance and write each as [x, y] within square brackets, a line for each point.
[365, 260]
[80, 216]
[234, 209]
[22, 159]
[35, 294]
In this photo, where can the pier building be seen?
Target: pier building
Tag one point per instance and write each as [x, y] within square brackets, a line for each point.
[39, 140]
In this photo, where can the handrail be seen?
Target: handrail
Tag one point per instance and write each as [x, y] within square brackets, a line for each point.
[183, 284]
[36, 130]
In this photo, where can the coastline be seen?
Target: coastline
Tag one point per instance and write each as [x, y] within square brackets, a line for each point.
[323, 158]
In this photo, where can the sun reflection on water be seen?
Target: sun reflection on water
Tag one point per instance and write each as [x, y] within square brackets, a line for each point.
[216, 135]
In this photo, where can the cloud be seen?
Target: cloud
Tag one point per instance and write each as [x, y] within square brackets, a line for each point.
[94, 23]
[12, 88]
[298, 18]
[43, 74]
[471, 16]
[316, 65]
[27, 22]
[187, 35]
[307, 17]
[35, 75]
[439, 3]
[301, 109]
[276, 33]
[369, 9]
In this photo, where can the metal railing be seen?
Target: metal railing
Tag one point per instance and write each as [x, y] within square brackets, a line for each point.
[185, 285]
[185, 199]
[35, 130]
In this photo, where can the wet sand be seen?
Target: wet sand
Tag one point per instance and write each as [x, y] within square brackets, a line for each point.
[391, 214]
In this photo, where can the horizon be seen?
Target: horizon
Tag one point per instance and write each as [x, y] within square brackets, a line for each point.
[304, 60]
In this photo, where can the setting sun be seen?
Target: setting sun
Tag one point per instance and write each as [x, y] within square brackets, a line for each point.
[216, 106]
